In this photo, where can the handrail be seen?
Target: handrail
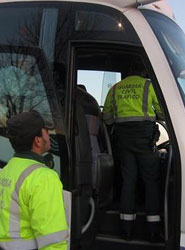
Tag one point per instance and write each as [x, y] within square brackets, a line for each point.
[87, 225]
[166, 193]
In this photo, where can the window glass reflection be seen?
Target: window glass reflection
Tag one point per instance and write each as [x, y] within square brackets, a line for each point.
[86, 20]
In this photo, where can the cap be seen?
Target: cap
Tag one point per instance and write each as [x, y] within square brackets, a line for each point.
[27, 124]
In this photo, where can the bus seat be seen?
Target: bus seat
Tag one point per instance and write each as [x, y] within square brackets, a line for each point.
[102, 161]
[93, 125]
[102, 165]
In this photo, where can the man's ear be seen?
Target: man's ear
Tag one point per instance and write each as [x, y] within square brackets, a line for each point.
[37, 141]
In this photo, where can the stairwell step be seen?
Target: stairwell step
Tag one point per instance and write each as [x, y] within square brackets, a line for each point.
[110, 224]
[118, 243]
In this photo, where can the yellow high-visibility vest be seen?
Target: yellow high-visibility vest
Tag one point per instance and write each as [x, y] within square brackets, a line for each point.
[32, 214]
[132, 99]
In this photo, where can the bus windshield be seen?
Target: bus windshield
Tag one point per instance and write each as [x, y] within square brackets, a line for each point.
[172, 40]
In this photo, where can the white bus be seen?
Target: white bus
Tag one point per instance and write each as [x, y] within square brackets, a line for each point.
[49, 47]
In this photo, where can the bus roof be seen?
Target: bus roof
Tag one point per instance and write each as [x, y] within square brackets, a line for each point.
[117, 4]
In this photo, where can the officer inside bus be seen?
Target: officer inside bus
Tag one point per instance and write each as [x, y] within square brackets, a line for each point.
[131, 107]
[32, 208]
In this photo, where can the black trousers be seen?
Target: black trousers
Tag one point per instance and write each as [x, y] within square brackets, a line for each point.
[136, 155]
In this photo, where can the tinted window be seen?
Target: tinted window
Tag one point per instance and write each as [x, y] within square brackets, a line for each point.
[26, 28]
[21, 86]
[25, 84]
[49, 25]
[172, 40]
[86, 20]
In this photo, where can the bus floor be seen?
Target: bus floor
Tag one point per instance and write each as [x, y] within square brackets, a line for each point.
[109, 234]
[107, 243]
[109, 231]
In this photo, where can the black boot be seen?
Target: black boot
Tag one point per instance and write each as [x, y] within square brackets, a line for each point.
[155, 237]
[154, 229]
[127, 229]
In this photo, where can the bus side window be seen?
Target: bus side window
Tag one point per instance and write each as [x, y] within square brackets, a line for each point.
[22, 89]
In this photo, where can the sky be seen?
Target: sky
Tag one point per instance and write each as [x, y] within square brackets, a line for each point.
[178, 7]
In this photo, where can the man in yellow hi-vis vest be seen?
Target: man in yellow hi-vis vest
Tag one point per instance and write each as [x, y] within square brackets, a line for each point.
[32, 214]
[131, 105]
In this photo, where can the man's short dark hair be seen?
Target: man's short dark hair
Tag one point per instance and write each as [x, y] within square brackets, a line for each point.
[23, 144]
[23, 128]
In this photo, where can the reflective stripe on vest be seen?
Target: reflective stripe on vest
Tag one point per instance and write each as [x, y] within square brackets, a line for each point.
[14, 227]
[153, 218]
[145, 98]
[16, 242]
[135, 119]
[128, 217]
[52, 238]
[39, 242]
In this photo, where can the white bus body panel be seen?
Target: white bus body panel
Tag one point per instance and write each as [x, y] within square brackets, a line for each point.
[169, 88]
[120, 5]
[161, 7]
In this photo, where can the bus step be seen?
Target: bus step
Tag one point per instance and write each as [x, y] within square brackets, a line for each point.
[109, 242]
[110, 224]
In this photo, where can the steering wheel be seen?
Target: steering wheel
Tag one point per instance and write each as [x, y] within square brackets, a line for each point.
[163, 145]
[166, 143]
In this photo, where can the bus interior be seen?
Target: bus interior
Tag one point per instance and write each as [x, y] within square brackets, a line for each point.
[97, 68]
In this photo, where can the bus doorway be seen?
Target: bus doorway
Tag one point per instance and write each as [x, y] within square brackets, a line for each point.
[97, 69]
[100, 39]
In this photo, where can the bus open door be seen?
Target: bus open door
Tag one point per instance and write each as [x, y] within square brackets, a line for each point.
[84, 42]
